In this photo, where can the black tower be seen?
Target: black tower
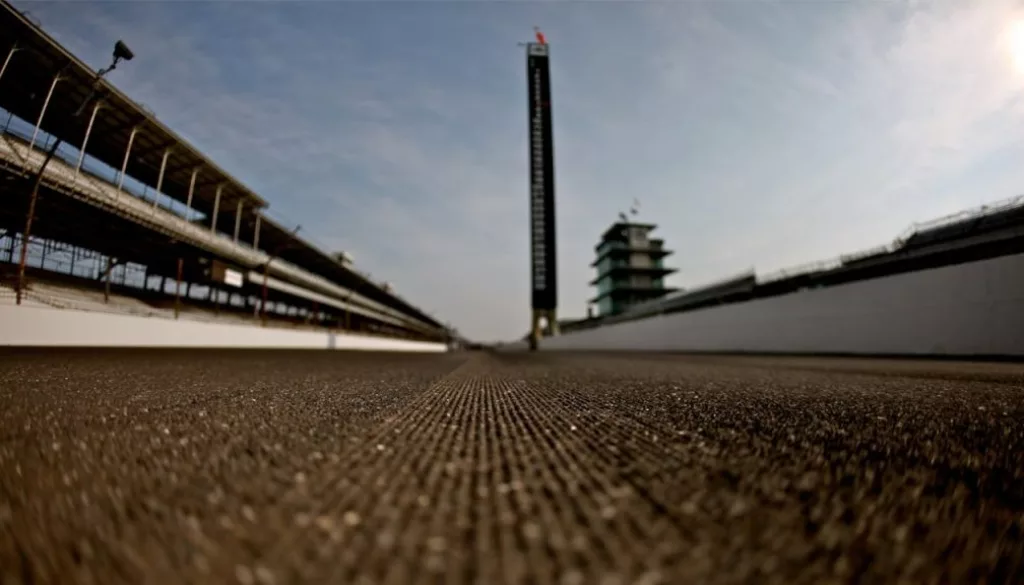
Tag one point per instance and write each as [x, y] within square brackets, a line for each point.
[542, 193]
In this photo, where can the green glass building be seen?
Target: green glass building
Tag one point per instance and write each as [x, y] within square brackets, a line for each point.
[630, 268]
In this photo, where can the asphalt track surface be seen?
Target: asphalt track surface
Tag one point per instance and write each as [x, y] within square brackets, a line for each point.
[326, 467]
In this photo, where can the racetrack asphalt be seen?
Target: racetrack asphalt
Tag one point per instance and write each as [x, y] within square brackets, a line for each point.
[258, 467]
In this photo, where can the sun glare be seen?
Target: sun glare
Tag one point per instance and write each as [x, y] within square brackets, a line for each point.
[1017, 45]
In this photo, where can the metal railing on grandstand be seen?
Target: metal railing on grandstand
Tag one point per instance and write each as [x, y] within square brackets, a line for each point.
[40, 295]
[899, 242]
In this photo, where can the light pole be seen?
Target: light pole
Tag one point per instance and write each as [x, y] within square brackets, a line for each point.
[266, 274]
[121, 52]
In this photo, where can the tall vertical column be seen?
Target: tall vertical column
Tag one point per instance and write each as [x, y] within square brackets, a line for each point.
[7, 60]
[544, 274]
[160, 178]
[256, 235]
[42, 112]
[216, 209]
[177, 289]
[85, 140]
[106, 279]
[127, 155]
[238, 219]
[191, 189]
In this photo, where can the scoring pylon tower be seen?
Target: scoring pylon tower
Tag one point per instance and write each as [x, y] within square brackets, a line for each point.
[543, 268]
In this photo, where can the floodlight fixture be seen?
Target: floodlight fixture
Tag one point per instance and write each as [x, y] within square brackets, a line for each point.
[122, 52]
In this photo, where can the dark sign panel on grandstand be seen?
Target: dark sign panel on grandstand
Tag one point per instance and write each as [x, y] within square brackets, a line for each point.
[542, 180]
[222, 273]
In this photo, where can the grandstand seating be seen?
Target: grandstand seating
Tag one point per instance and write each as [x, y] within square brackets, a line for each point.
[67, 297]
[41, 292]
[64, 296]
[14, 151]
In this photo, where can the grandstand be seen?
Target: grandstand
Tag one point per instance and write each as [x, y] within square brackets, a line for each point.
[988, 232]
[132, 219]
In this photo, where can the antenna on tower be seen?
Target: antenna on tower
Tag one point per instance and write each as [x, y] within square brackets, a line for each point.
[622, 216]
[636, 207]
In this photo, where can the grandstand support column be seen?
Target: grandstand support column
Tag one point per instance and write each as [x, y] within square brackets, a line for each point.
[191, 190]
[177, 290]
[26, 235]
[266, 273]
[160, 177]
[42, 112]
[106, 279]
[85, 140]
[42, 255]
[256, 235]
[7, 61]
[263, 302]
[238, 219]
[127, 154]
[216, 209]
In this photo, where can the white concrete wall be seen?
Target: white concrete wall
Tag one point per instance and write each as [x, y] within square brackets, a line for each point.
[35, 326]
[968, 309]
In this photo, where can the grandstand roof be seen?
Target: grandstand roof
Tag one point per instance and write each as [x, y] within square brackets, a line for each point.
[25, 85]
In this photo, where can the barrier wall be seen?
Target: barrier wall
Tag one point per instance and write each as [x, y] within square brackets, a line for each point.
[962, 310]
[33, 326]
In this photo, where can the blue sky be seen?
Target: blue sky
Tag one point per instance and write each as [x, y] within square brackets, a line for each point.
[757, 134]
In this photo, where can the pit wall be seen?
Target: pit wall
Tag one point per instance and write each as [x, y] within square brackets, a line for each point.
[974, 309]
[32, 326]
